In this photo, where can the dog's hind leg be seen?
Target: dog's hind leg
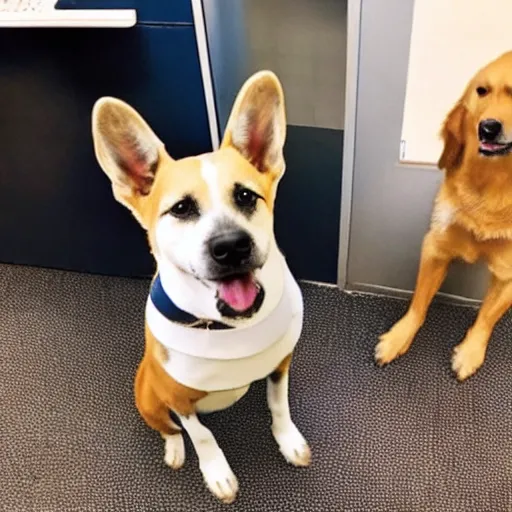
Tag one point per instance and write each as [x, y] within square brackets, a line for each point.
[156, 414]
[291, 443]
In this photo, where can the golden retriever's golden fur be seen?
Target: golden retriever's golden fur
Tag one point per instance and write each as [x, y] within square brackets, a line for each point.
[472, 217]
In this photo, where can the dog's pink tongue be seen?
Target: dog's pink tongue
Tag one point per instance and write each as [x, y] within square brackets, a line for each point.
[239, 293]
[489, 146]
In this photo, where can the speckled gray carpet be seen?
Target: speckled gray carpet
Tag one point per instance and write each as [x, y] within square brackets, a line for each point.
[407, 438]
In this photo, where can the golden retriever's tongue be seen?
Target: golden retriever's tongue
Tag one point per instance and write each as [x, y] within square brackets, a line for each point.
[489, 146]
[239, 293]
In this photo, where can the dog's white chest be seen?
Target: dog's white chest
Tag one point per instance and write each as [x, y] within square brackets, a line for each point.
[443, 216]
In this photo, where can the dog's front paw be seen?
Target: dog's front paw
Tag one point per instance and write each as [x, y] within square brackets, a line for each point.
[293, 446]
[220, 479]
[174, 451]
[467, 358]
[396, 341]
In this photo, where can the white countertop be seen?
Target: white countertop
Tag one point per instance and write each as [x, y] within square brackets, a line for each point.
[113, 18]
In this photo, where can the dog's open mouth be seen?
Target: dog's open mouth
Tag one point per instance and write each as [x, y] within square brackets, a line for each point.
[494, 149]
[239, 295]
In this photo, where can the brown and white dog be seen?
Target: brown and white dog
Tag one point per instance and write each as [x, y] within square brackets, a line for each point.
[224, 309]
[472, 217]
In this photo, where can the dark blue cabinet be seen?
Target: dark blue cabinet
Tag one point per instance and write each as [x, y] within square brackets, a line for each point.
[56, 205]
[148, 11]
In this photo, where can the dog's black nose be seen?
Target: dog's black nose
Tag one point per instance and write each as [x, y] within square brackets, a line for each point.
[231, 249]
[489, 130]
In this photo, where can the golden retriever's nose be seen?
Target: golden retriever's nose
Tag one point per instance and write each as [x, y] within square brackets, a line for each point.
[489, 130]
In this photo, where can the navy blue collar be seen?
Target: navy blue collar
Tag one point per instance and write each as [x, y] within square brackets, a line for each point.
[167, 308]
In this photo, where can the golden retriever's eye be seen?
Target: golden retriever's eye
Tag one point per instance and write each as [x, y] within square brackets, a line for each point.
[482, 91]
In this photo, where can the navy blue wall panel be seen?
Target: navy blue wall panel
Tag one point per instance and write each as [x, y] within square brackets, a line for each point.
[309, 201]
[169, 11]
[56, 205]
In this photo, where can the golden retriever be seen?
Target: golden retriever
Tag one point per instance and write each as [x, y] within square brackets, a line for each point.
[472, 216]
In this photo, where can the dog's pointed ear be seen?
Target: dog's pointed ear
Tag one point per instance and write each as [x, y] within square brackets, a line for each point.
[257, 124]
[453, 134]
[127, 150]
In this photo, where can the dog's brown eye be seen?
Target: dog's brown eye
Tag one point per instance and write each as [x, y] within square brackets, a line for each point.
[482, 91]
[184, 209]
[245, 198]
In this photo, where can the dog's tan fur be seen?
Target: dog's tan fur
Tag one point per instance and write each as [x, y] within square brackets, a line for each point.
[472, 220]
[156, 392]
[149, 182]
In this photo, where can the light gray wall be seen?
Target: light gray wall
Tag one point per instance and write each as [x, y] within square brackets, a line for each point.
[391, 203]
[226, 32]
[305, 42]
[302, 41]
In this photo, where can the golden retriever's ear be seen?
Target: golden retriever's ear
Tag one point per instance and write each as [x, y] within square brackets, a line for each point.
[453, 134]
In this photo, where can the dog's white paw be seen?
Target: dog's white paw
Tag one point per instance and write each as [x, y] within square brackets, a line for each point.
[292, 445]
[220, 479]
[174, 451]
[467, 358]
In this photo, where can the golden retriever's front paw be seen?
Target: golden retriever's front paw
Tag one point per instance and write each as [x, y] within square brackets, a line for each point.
[396, 341]
[467, 358]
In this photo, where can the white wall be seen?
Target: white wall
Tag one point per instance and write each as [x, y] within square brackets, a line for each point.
[450, 41]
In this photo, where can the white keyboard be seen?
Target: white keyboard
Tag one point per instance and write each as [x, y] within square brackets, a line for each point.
[42, 13]
[26, 5]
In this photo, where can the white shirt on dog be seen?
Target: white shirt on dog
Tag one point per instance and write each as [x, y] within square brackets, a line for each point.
[230, 359]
